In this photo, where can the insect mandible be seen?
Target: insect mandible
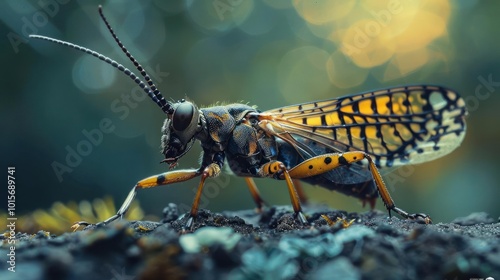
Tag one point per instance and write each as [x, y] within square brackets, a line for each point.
[338, 144]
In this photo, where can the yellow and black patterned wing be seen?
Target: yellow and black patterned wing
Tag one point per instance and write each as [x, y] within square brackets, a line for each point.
[397, 126]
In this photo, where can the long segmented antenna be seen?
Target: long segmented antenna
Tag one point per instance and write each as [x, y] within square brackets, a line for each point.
[108, 60]
[165, 106]
[150, 90]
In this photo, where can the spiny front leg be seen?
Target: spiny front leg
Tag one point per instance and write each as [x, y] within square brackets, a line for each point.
[327, 162]
[276, 169]
[150, 182]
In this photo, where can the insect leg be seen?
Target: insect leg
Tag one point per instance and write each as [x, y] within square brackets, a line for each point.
[254, 191]
[212, 170]
[324, 163]
[277, 169]
[153, 181]
[300, 191]
[386, 197]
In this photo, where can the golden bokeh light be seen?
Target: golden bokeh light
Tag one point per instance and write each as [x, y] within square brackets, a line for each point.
[425, 28]
[404, 63]
[394, 33]
[366, 44]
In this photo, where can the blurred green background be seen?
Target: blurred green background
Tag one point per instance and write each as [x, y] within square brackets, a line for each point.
[267, 53]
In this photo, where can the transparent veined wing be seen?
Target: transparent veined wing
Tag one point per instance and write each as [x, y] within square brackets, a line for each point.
[400, 125]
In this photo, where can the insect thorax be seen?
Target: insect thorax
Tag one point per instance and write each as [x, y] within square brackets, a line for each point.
[221, 128]
[246, 147]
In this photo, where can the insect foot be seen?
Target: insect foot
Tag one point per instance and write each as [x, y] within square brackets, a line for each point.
[300, 216]
[418, 217]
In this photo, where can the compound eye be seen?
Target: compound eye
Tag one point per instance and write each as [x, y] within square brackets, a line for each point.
[183, 115]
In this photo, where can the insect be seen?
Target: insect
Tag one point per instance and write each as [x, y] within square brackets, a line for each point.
[338, 144]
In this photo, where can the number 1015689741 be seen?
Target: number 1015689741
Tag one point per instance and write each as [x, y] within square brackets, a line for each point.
[11, 190]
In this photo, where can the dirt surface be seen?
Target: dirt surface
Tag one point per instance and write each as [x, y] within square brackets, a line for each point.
[271, 245]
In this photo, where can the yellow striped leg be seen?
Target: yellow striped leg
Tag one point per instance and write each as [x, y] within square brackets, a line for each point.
[212, 170]
[150, 182]
[300, 191]
[277, 168]
[324, 163]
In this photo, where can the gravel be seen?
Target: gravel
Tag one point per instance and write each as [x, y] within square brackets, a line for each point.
[270, 245]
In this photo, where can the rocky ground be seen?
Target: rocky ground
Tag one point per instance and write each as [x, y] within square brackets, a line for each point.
[271, 245]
